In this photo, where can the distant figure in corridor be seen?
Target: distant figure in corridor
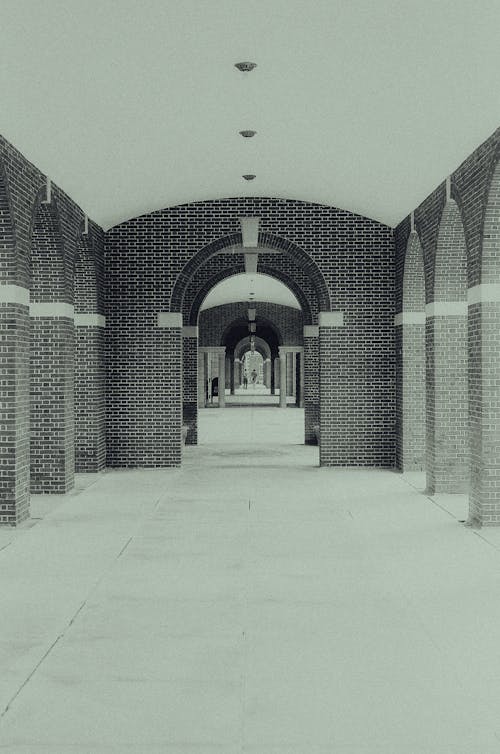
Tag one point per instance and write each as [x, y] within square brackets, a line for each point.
[245, 381]
[254, 377]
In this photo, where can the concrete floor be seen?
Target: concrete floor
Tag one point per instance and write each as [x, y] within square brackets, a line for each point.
[249, 602]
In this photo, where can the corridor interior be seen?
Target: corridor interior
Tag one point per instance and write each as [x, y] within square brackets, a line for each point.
[253, 602]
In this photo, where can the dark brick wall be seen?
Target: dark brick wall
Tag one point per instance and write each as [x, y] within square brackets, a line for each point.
[145, 385]
[190, 388]
[90, 356]
[356, 401]
[14, 413]
[410, 362]
[37, 252]
[484, 368]
[287, 321]
[311, 388]
[14, 377]
[90, 404]
[159, 258]
[467, 230]
[52, 441]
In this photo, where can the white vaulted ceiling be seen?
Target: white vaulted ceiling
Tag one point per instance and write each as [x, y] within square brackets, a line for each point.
[244, 287]
[135, 105]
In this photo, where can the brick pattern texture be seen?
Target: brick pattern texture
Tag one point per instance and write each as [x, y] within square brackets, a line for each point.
[348, 260]
[484, 368]
[90, 355]
[286, 321]
[37, 252]
[410, 365]
[190, 388]
[470, 223]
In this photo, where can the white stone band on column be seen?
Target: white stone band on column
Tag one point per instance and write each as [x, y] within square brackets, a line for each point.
[445, 308]
[52, 309]
[14, 294]
[331, 319]
[483, 292]
[90, 320]
[190, 331]
[169, 319]
[409, 318]
[311, 331]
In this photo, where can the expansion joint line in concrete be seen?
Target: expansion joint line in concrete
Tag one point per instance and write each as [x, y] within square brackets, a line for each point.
[75, 615]
[30, 676]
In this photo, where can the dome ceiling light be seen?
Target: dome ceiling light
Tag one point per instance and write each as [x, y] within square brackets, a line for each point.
[248, 134]
[245, 67]
[249, 177]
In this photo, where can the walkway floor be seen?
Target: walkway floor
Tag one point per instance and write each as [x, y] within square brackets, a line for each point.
[249, 602]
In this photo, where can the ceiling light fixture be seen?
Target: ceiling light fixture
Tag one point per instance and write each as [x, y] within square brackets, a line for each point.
[248, 134]
[248, 177]
[245, 67]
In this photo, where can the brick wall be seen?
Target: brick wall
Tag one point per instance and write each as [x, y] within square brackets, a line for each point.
[484, 368]
[90, 360]
[190, 388]
[345, 258]
[38, 352]
[410, 362]
[469, 224]
[287, 321]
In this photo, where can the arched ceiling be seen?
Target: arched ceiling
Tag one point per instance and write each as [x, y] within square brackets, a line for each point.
[132, 106]
[240, 288]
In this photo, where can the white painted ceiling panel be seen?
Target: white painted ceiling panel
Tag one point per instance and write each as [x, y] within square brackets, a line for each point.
[132, 106]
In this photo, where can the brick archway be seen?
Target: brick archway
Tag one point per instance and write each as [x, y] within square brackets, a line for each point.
[265, 239]
[191, 313]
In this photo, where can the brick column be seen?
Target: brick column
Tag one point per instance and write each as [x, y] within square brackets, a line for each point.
[410, 390]
[282, 370]
[222, 375]
[202, 378]
[447, 446]
[310, 382]
[484, 402]
[15, 404]
[231, 374]
[52, 441]
[189, 383]
[145, 393]
[90, 392]
[336, 414]
[300, 378]
[289, 373]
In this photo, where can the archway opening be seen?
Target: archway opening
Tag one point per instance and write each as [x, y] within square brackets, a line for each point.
[250, 328]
